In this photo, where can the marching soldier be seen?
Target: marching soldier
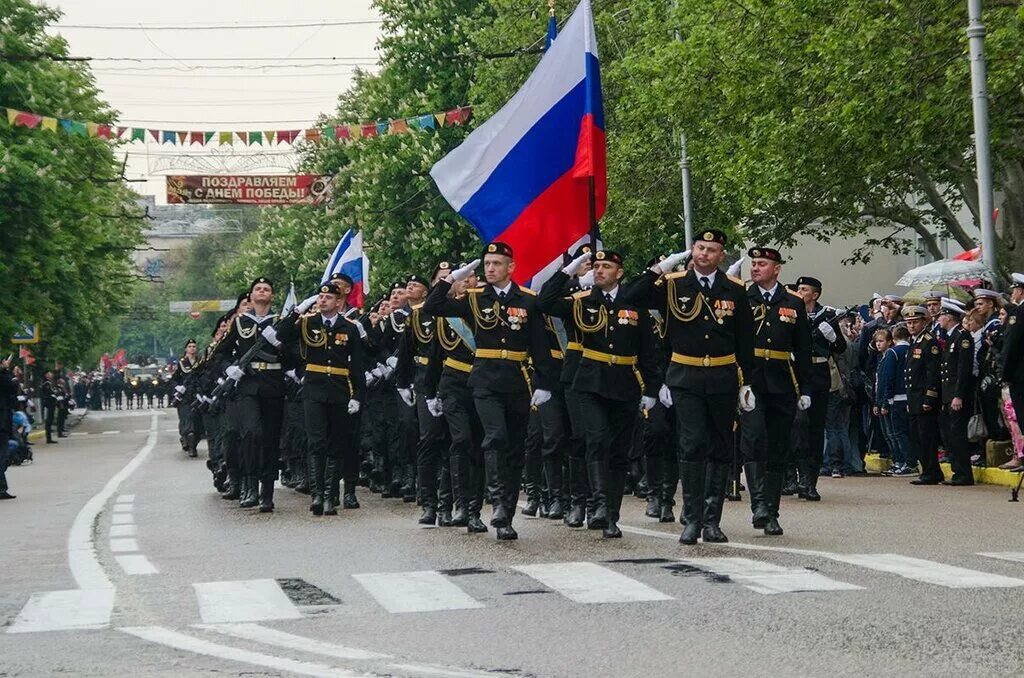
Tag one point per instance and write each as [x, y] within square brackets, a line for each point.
[922, 378]
[508, 329]
[617, 373]
[332, 350]
[782, 345]
[710, 328]
[957, 381]
[184, 390]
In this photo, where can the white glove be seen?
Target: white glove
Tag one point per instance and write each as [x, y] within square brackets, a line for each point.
[370, 377]
[827, 332]
[291, 375]
[22, 399]
[540, 396]
[270, 334]
[747, 400]
[353, 406]
[804, 403]
[575, 264]
[407, 396]
[392, 362]
[379, 371]
[466, 271]
[220, 380]
[671, 261]
[234, 372]
[587, 279]
[434, 407]
[179, 389]
[212, 401]
[306, 304]
[665, 396]
[647, 402]
[735, 269]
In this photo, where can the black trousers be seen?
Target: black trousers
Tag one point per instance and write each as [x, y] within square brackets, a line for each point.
[465, 454]
[608, 435]
[954, 435]
[330, 436]
[504, 418]
[704, 425]
[661, 456]
[212, 424]
[429, 449]
[924, 437]
[186, 420]
[259, 431]
[765, 431]
[48, 414]
[811, 454]
[576, 451]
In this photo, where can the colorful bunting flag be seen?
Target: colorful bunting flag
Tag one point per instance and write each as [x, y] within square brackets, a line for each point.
[91, 128]
[168, 136]
[255, 138]
[244, 136]
[207, 136]
[313, 135]
[399, 126]
[270, 137]
[225, 138]
[155, 133]
[50, 124]
[138, 134]
[369, 130]
[121, 131]
[195, 137]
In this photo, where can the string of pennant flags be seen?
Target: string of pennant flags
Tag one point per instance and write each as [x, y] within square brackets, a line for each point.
[335, 133]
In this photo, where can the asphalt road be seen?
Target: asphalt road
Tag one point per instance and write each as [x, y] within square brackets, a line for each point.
[118, 559]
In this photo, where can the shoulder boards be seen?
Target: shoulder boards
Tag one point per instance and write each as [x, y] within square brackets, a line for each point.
[738, 281]
[417, 307]
[794, 294]
[676, 274]
[582, 294]
[928, 336]
[475, 290]
[527, 290]
[310, 314]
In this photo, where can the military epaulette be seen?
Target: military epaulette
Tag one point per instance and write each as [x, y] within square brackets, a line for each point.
[794, 294]
[669, 276]
[310, 314]
[416, 307]
[928, 336]
[738, 281]
[582, 294]
[527, 290]
[475, 290]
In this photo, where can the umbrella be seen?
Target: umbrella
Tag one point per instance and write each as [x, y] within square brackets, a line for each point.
[916, 294]
[945, 271]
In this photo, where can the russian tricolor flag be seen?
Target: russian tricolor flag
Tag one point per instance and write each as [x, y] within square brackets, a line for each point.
[348, 258]
[524, 176]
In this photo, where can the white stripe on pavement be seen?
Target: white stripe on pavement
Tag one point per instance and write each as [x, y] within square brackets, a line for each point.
[135, 563]
[181, 641]
[590, 583]
[79, 433]
[928, 571]
[268, 636]
[122, 519]
[65, 610]
[244, 601]
[1013, 556]
[123, 508]
[125, 498]
[425, 591]
[122, 530]
[767, 578]
[111, 433]
[123, 545]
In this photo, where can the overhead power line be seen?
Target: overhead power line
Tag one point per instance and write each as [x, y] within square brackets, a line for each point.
[217, 27]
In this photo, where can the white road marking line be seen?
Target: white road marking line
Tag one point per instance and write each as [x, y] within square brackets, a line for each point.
[85, 566]
[244, 601]
[268, 636]
[110, 433]
[142, 430]
[123, 545]
[123, 508]
[79, 433]
[122, 530]
[65, 610]
[428, 670]
[928, 571]
[125, 498]
[591, 583]
[424, 591]
[122, 519]
[170, 430]
[1013, 556]
[767, 578]
[136, 563]
[181, 641]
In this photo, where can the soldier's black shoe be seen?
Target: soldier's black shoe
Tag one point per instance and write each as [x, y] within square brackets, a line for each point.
[507, 534]
[713, 535]
[575, 517]
[760, 518]
[409, 497]
[444, 518]
[555, 510]
[499, 516]
[666, 515]
[267, 508]
[599, 520]
[429, 516]
[543, 513]
[532, 504]
[612, 531]
[248, 501]
[460, 518]
[316, 507]
[330, 508]
[690, 534]
[230, 491]
[790, 488]
[302, 487]
[811, 494]
[653, 506]
[475, 525]
[772, 528]
[350, 501]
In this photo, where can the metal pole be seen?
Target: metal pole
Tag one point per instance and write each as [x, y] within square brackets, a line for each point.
[979, 95]
[684, 165]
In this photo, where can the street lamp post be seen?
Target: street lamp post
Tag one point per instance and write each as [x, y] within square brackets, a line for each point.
[982, 155]
[684, 165]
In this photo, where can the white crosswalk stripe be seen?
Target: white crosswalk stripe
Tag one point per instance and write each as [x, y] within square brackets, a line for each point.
[135, 564]
[243, 601]
[1012, 556]
[65, 610]
[584, 582]
[768, 578]
[424, 591]
[928, 571]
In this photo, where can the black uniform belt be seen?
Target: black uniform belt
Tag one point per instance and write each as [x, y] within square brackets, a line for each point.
[769, 354]
[706, 361]
[326, 369]
[260, 366]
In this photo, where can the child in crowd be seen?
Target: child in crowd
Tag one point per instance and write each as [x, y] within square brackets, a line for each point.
[891, 399]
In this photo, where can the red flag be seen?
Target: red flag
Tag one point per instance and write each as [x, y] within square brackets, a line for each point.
[155, 134]
[196, 137]
[121, 131]
[28, 119]
[341, 132]
[370, 129]
[103, 131]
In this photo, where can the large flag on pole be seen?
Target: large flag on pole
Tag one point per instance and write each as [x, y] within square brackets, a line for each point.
[524, 176]
[348, 258]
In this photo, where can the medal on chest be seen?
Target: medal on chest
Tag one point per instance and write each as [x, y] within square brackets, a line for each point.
[516, 317]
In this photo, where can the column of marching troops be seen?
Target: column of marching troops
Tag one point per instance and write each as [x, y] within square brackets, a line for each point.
[453, 392]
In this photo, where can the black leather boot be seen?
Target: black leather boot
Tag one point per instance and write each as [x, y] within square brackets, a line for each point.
[772, 491]
[666, 515]
[615, 488]
[507, 534]
[791, 486]
[330, 490]
[232, 488]
[267, 494]
[499, 515]
[598, 474]
[190, 442]
[350, 501]
[429, 515]
[754, 473]
[409, 487]
[249, 497]
[810, 492]
[692, 476]
[715, 482]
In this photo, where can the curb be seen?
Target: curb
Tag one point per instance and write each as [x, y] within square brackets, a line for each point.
[74, 420]
[984, 476]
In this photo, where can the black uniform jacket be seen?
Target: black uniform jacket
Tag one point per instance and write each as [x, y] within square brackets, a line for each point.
[957, 366]
[782, 343]
[261, 378]
[922, 373]
[334, 359]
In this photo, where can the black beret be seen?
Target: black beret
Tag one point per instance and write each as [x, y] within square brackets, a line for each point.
[261, 281]
[765, 253]
[344, 278]
[581, 250]
[418, 279]
[609, 255]
[498, 248]
[712, 235]
[190, 341]
[444, 267]
[397, 285]
[330, 288]
[809, 281]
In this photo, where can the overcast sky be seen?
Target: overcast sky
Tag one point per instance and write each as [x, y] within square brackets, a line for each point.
[180, 93]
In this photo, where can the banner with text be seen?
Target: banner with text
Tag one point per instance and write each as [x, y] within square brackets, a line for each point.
[257, 189]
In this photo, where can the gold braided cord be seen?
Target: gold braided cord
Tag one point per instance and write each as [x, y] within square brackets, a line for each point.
[442, 336]
[482, 322]
[677, 312]
[659, 326]
[242, 332]
[577, 316]
[308, 339]
[417, 328]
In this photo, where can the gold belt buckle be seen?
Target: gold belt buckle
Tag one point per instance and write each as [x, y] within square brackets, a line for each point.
[504, 353]
[707, 361]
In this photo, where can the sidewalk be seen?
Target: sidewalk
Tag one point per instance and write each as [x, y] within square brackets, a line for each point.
[985, 476]
[74, 418]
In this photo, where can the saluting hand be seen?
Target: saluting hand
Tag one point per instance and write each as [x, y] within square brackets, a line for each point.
[575, 264]
[464, 272]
